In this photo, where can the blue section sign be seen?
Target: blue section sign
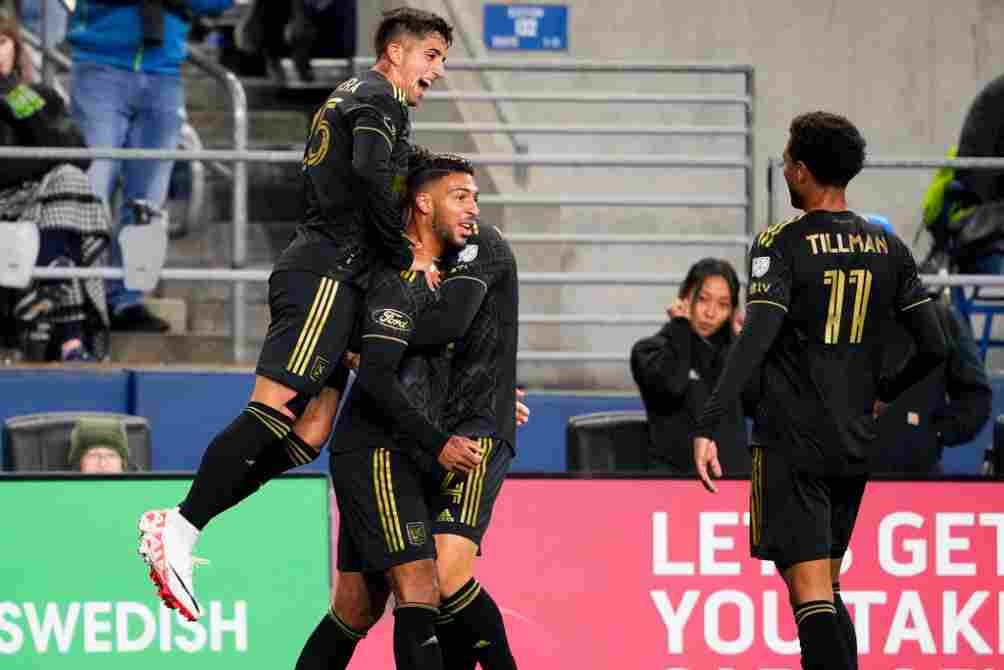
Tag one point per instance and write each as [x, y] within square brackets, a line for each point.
[538, 27]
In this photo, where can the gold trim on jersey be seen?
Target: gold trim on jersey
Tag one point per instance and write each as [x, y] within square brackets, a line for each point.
[383, 485]
[767, 302]
[390, 142]
[483, 283]
[916, 304]
[386, 337]
[756, 497]
[767, 237]
[278, 427]
[475, 485]
[317, 318]
[409, 276]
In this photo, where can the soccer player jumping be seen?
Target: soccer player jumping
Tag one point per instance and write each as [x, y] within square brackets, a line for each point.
[354, 167]
[821, 288]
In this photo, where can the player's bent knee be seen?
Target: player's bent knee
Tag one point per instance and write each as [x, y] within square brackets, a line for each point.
[357, 602]
[415, 582]
[272, 393]
[808, 581]
[455, 557]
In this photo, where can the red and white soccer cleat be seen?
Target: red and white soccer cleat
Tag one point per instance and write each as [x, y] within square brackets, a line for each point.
[165, 542]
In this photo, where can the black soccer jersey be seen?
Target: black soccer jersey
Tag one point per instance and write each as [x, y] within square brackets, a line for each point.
[354, 167]
[481, 396]
[393, 404]
[837, 280]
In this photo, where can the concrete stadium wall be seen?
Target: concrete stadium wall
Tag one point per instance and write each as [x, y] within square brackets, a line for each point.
[904, 71]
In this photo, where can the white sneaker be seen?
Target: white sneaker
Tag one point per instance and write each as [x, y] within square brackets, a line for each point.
[165, 542]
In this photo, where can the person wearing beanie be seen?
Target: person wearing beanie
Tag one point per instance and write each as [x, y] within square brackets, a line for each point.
[99, 446]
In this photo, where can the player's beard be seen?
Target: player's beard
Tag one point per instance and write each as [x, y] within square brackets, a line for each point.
[796, 198]
[445, 234]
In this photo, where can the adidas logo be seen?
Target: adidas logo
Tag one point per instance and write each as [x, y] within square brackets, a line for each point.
[481, 644]
[445, 516]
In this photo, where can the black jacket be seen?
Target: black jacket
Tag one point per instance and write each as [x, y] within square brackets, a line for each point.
[676, 370]
[48, 126]
[947, 408]
[983, 135]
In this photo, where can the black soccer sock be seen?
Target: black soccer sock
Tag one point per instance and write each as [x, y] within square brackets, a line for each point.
[846, 627]
[479, 624]
[416, 646]
[330, 646]
[458, 654]
[227, 465]
[280, 457]
[822, 647]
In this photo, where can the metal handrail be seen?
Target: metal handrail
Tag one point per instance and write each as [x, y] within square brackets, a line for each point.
[642, 239]
[577, 96]
[268, 156]
[608, 200]
[984, 164]
[577, 129]
[497, 64]
[526, 278]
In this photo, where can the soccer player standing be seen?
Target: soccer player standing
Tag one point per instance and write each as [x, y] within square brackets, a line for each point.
[479, 405]
[821, 287]
[386, 441]
[354, 167]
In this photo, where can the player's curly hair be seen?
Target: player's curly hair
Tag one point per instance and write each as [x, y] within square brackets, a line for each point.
[829, 145]
[425, 166]
[410, 21]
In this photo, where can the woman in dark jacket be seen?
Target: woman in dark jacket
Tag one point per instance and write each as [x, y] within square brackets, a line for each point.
[61, 319]
[677, 368]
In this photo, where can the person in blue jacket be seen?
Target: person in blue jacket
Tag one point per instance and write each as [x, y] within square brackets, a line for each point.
[127, 91]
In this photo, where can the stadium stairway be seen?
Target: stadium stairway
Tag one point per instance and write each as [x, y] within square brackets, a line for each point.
[278, 118]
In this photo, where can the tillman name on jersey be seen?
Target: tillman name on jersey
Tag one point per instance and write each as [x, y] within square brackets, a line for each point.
[847, 243]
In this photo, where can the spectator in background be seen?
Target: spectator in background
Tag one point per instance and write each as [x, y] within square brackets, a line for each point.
[59, 319]
[127, 91]
[677, 368]
[99, 446]
[946, 409]
[983, 135]
[276, 28]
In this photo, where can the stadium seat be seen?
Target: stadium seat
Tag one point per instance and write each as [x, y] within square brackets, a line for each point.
[607, 441]
[41, 442]
[995, 455]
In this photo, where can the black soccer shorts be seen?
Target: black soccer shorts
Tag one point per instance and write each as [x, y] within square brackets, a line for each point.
[312, 321]
[463, 505]
[383, 515]
[798, 516]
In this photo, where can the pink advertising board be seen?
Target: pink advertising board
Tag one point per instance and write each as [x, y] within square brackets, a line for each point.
[655, 574]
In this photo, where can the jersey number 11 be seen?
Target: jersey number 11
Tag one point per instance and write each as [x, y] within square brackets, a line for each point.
[836, 280]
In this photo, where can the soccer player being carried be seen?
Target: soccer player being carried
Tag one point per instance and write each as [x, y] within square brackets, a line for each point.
[470, 391]
[822, 288]
[354, 166]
